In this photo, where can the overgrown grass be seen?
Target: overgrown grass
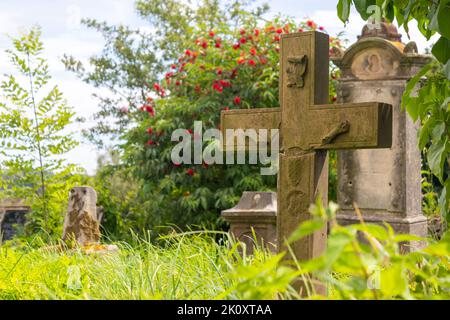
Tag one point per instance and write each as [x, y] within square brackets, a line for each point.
[211, 265]
[183, 266]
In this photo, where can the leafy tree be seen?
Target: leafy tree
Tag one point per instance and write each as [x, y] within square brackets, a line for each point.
[211, 58]
[34, 136]
[431, 104]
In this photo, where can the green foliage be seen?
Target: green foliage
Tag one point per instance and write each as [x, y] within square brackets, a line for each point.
[210, 265]
[215, 57]
[33, 136]
[427, 96]
[366, 261]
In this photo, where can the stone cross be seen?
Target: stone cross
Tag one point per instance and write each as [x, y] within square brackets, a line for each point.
[308, 128]
[81, 223]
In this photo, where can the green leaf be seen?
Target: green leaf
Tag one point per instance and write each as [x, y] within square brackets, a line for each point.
[374, 230]
[305, 229]
[436, 157]
[441, 50]
[444, 201]
[443, 21]
[362, 5]
[447, 69]
[438, 130]
[413, 109]
[343, 9]
[389, 11]
[394, 281]
[424, 132]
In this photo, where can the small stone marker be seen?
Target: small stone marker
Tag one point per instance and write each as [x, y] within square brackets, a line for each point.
[12, 215]
[385, 183]
[81, 223]
[256, 213]
[308, 128]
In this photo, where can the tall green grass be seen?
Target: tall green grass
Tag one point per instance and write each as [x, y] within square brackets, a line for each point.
[182, 266]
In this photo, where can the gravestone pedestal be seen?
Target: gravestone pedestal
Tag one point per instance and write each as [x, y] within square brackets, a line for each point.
[386, 183]
[256, 213]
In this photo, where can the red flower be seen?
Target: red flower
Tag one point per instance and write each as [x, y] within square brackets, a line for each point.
[242, 31]
[190, 172]
[334, 99]
[300, 29]
[241, 60]
[225, 83]
[157, 87]
[211, 34]
[217, 87]
[217, 45]
[149, 109]
[309, 23]
[251, 62]
[150, 142]
[173, 66]
[243, 40]
[321, 28]
[204, 44]
[263, 60]
[188, 52]
[276, 38]
[226, 108]
[253, 51]
[237, 100]
[236, 46]
[169, 74]
[219, 71]
[149, 130]
[234, 73]
[189, 131]
[256, 32]
[279, 31]
[176, 164]
[177, 83]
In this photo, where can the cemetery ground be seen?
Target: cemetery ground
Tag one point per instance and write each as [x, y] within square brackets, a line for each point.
[212, 265]
[356, 208]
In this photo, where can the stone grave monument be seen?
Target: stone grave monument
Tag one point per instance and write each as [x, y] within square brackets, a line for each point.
[12, 215]
[254, 215]
[384, 183]
[308, 128]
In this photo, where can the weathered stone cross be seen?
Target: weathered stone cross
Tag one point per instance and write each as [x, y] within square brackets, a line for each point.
[308, 128]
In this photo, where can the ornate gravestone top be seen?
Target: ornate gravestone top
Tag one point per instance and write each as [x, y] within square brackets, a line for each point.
[381, 29]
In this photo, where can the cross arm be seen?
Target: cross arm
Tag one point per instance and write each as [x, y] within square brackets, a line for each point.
[245, 119]
[347, 126]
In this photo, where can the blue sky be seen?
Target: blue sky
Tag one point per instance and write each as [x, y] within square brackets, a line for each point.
[62, 33]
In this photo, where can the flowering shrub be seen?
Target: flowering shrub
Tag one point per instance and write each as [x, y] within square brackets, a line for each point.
[223, 68]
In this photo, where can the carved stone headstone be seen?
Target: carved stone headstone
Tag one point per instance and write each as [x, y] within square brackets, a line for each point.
[81, 223]
[384, 183]
[255, 213]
